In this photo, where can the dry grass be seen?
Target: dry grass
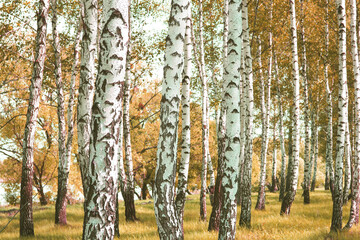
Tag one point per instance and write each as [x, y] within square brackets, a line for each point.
[305, 222]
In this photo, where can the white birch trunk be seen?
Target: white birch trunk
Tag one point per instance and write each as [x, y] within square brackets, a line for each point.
[121, 175]
[264, 140]
[100, 207]
[87, 84]
[232, 134]
[205, 127]
[336, 222]
[281, 134]
[26, 212]
[329, 109]
[355, 188]
[121, 166]
[347, 167]
[210, 168]
[63, 169]
[265, 105]
[71, 103]
[164, 187]
[294, 169]
[274, 180]
[265, 109]
[307, 168]
[185, 127]
[130, 213]
[245, 216]
[316, 152]
[242, 125]
[214, 222]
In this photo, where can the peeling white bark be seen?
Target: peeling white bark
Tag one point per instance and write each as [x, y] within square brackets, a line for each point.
[265, 115]
[245, 216]
[281, 134]
[336, 222]
[26, 212]
[232, 133]
[355, 188]
[242, 120]
[86, 85]
[347, 167]
[329, 108]
[294, 167]
[307, 163]
[274, 162]
[102, 174]
[64, 165]
[185, 131]
[164, 187]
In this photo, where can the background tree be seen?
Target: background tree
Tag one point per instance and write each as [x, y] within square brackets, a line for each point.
[245, 216]
[26, 214]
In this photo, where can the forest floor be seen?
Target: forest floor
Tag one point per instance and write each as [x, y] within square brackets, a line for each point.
[305, 222]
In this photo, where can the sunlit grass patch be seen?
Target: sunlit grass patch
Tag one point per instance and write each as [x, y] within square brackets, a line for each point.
[310, 221]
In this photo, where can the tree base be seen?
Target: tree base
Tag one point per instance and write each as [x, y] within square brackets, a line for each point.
[260, 204]
[306, 195]
[130, 213]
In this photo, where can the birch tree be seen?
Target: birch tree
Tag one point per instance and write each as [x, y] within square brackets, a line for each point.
[307, 164]
[86, 84]
[121, 172]
[65, 137]
[355, 188]
[205, 140]
[185, 127]
[316, 152]
[293, 171]
[245, 216]
[265, 106]
[242, 124]
[210, 167]
[274, 180]
[281, 134]
[260, 204]
[336, 221]
[290, 151]
[26, 212]
[102, 173]
[232, 133]
[164, 188]
[130, 213]
[312, 150]
[329, 108]
[211, 188]
[347, 167]
[214, 222]
[71, 102]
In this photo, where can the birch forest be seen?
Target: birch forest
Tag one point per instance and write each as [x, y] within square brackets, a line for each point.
[181, 119]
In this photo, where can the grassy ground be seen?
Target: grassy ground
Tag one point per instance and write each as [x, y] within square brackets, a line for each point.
[305, 222]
